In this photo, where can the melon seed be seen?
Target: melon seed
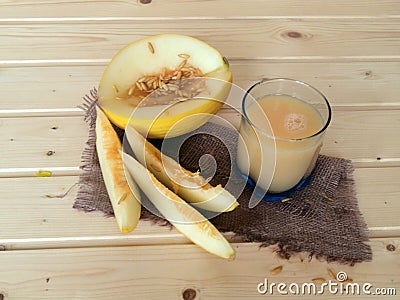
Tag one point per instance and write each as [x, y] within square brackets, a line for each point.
[130, 92]
[319, 280]
[142, 79]
[184, 55]
[143, 86]
[122, 198]
[151, 48]
[182, 64]
[276, 270]
[331, 274]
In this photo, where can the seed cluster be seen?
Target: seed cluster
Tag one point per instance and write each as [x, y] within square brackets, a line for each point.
[169, 86]
[176, 91]
[150, 83]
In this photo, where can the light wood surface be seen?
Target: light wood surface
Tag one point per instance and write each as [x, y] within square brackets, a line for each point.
[53, 52]
[154, 272]
[195, 8]
[44, 142]
[44, 204]
[66, 84]
[278, 39]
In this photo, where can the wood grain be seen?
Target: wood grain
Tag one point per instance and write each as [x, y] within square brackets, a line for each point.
[38, 213]
[346, 85]
[41, 142]
[165, 272]
[195, 8]
[53, 51]
[300, 38]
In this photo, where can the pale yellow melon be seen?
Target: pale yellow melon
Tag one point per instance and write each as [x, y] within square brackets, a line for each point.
[124, 197]
[119, 95]
[190, 186]
[185, 218]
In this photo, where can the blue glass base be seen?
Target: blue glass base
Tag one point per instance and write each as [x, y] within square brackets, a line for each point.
[273, 197]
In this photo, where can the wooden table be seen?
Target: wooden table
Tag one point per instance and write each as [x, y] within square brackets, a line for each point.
[52, 52]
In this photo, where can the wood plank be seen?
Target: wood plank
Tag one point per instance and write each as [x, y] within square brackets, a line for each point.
[342, 138]
[377, 189]
[165, 272]
[42, 142]
[345, 84]
[234, 38]
[38, 213]
[45, 142]
[194, 8]
[47, 87]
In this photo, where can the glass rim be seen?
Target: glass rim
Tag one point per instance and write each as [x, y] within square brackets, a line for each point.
[327, 122]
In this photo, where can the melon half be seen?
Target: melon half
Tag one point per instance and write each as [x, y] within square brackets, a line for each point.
[121, 96]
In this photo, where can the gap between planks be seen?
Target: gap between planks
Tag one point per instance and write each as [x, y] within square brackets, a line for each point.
[174, 238]
[76, 111]
[76, 171]
[11, 63]
[83, 20]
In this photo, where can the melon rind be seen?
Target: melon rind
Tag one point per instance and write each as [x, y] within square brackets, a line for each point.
[181, 215]
[192, 187]
[135, 61]
[124, 197]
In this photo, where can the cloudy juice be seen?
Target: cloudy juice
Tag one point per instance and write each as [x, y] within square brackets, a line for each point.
[280, 144]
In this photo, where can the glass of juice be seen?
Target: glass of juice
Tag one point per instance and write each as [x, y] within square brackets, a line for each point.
[282, 129]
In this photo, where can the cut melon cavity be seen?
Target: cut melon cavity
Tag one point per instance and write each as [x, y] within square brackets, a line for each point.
[165, 61]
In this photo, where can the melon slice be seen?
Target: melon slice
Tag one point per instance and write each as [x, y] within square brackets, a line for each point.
[190, 186]
[121, 92]
[124, 197]
[181, 215]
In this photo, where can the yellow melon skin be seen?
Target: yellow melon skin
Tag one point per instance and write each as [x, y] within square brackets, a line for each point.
[172, 126]
[190, 186]
[185, 218]
[135, 61]
[124, 197]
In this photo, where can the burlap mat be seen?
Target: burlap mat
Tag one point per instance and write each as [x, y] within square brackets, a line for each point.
[322, 219]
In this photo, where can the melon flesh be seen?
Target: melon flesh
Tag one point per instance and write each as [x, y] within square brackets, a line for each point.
[124, 197]
[190, 186]
[136, 60]
[185, 218]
